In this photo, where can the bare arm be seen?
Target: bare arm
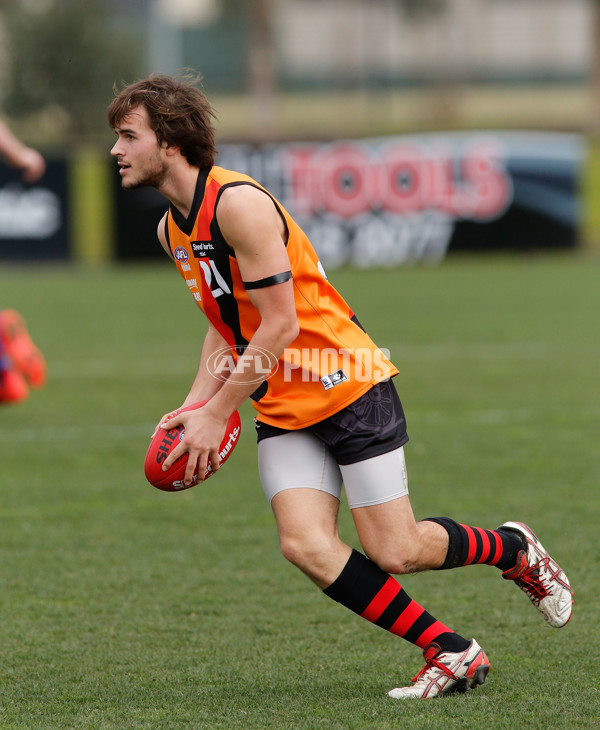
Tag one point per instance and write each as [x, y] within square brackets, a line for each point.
[207, 382]
[160, 232]
[16, 154]
[252, 226]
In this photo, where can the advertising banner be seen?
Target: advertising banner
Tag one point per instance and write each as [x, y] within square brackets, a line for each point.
[137, 214]
[397, 200]
[34, 218]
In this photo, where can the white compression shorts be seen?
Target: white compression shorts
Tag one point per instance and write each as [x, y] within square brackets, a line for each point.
[298, 459]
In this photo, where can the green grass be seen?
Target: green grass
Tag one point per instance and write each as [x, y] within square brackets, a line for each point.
[126, 607]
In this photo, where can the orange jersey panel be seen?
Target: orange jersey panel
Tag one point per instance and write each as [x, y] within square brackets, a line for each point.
[331, 363]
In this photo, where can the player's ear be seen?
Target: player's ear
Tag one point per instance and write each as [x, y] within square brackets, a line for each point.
[172, 150]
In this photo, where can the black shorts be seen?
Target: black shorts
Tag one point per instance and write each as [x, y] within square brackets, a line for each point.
[372, 425]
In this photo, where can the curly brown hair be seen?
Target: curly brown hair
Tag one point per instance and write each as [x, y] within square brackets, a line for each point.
[179, 114]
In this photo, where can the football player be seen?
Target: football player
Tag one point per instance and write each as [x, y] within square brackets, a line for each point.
[327, 409]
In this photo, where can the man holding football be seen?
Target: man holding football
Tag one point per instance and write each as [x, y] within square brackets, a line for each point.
[327, 412]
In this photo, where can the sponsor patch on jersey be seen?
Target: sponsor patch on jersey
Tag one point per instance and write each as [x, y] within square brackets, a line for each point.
[329, 381]
[181, 254]
[202, 248]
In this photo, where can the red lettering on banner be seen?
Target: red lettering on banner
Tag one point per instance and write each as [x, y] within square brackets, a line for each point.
[347, 177]
[347, 181]
[446, 191]
[483, 168]
[303, 174]
[407, 177]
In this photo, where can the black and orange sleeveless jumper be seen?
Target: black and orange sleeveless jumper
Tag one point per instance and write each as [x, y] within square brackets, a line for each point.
[331, 363]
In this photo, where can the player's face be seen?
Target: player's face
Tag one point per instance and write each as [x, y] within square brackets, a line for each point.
[142, 161]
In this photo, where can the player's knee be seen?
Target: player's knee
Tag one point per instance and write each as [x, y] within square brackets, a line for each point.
[304, 551]
[295, 549]
[397, 561]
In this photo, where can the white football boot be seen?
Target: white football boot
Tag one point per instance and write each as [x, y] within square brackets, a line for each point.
[446, 672]
[541, 578]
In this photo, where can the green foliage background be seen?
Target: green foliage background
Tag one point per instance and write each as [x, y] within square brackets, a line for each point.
[63, 61]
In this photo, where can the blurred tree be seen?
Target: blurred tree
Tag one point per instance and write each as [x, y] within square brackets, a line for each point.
[445, 82]
[420, 7]
[262, 58]
[262, 79]
[65, 56]
[595, 121]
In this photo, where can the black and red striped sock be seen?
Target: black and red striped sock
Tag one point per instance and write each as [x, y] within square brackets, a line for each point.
[373, 594]
[473, 545]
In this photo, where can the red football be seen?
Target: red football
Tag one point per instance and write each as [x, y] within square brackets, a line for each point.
[165, 441]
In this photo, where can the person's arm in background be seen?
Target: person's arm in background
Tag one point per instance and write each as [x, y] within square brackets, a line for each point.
[18, 155]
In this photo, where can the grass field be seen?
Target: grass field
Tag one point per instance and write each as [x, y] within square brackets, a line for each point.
[126, 607]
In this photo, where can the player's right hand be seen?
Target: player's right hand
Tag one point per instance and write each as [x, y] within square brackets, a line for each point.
[166, 417]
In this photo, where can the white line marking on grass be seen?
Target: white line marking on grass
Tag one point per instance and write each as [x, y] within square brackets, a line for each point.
[500, 415]
[473, 350]
[125, 368]
[491, 417]
[151, 367]
[77, 432]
